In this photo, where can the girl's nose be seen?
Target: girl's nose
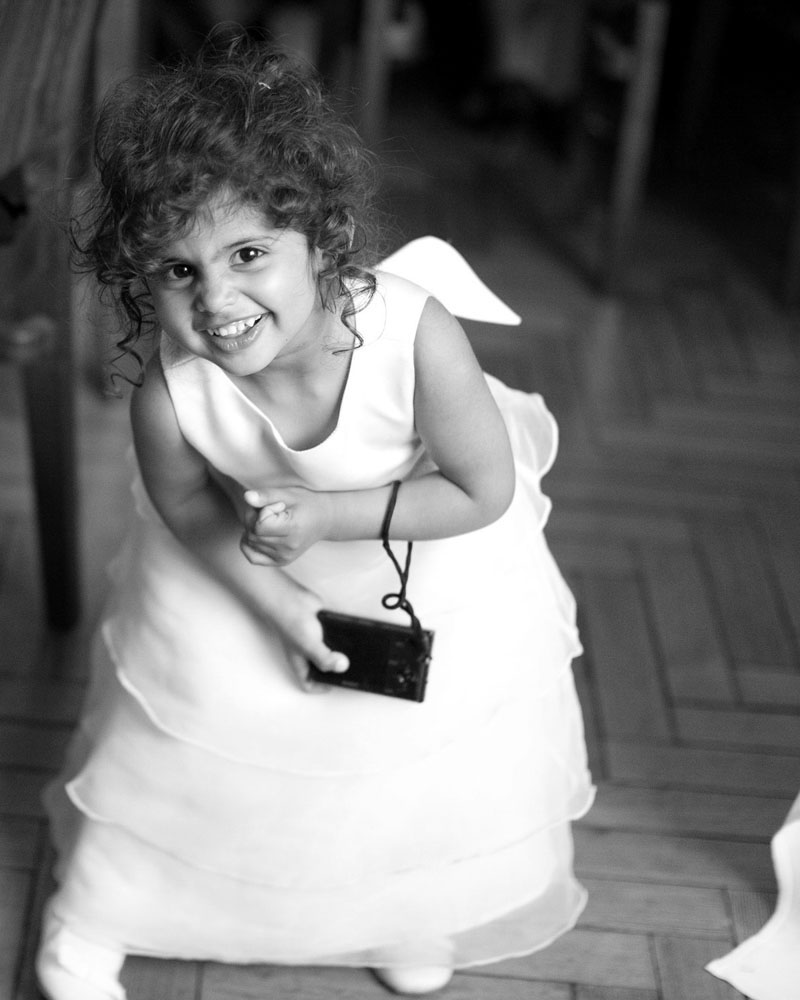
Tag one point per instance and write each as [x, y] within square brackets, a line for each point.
[213, 294]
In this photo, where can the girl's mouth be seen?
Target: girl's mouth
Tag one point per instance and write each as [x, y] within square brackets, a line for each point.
[235, 336]
[235, 329]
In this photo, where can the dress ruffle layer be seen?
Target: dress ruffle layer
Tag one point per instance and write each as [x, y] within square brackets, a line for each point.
[202, 915]
[767, 965]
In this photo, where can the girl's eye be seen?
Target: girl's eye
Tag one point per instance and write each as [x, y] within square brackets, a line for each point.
[175, 272]
[248, 254]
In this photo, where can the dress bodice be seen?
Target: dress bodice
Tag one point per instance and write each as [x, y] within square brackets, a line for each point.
[374, 440]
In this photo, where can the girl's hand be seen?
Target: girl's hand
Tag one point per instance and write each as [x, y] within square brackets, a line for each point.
[282, 523]
[296, 618]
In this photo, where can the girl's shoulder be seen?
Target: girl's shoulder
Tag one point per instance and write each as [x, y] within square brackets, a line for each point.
[394, 310]
[398, 290]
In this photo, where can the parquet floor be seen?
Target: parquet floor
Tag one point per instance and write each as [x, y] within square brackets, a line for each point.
[675, 519]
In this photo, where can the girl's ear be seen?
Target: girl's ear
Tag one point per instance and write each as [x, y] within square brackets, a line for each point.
[318, 258]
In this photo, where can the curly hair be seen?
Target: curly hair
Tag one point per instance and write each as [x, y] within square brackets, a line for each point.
[249, 121]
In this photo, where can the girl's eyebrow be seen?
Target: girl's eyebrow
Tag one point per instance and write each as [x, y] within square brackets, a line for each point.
[263, 238]
[227, 248]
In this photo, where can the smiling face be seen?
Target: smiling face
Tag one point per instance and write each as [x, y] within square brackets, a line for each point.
[239, 293]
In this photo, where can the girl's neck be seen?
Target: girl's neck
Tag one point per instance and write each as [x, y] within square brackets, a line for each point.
[302, 395]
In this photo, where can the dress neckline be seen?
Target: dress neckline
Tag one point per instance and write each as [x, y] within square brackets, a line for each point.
[344, 396]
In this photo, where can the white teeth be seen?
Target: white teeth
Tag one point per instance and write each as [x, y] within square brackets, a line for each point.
[234, 329]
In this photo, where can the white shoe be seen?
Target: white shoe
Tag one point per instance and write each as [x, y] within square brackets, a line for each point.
[69, 967]
[415, 981]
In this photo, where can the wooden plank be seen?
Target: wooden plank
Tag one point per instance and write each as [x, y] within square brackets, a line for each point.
[595, 958]
[612, 993]
[26, 745]
[475, 985]
[763, 394]
[654, 909]
[43, 888]
[611, 376]
[19, 840]
[621, 657]
[740, 483]
[694, 767]
[21, 792]
[617, 524]
[736, 729]
[779, 523]
[648, 486]
[750, 911]
[579, 553]
[745, 594]
[712, 344]
[656, 329]
[681, 968]
[39, 699]
[15, 891]
[7, 527]
[769, 330]
[693, 813]
[727, 420]
[686, 622]
[762, 687]
[221, 982]
[655, 857]
[15, 486]
[152, 979]
[21, 600]
[695, 446]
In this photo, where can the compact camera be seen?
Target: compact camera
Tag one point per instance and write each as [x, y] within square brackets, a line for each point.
[384, 658]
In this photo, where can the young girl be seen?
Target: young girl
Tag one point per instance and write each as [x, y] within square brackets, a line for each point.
[217, 804]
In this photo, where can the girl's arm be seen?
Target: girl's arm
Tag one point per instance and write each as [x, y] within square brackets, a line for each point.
[201, 516]
[465, 435]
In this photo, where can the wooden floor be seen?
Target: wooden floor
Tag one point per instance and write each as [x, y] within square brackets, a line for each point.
[675, 520]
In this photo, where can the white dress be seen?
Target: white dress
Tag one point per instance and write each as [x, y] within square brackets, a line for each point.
[767, 965]
[213, 810]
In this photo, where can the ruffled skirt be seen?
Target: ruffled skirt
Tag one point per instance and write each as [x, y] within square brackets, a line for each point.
[210, 809]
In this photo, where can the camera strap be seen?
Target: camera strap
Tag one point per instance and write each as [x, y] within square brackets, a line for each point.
[399, 600]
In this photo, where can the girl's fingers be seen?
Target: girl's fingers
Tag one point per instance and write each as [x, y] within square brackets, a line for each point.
[261, 499]
[331, 662]
[324, 659]
[256, 498]
[299, 665]
[271, 512]
[255, 555]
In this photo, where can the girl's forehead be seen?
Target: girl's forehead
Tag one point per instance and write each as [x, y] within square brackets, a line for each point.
[223, 222]
[222, 226]
[225, 210]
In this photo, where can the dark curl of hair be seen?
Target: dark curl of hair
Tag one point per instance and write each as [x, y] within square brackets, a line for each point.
[246, 121]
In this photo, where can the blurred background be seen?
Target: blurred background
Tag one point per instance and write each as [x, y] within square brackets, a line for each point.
[625, 174]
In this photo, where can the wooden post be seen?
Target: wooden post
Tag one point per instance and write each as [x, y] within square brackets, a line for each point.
[46, 66]
[635, 140]
[373, 69]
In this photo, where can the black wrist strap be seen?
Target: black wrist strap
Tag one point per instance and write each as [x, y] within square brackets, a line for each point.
[398, 600]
